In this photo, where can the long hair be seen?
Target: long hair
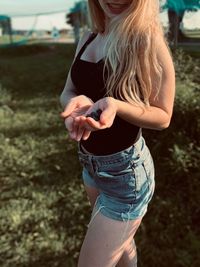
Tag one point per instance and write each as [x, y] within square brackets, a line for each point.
[131, 58]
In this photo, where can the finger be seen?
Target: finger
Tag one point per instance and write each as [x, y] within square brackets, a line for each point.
[68, 109]
[85, 124]
[106, 115]
[80, 119]
[75, 129]
[86, 134]
[80, 130]
[94, 125]
[72, 135]
[69, 123]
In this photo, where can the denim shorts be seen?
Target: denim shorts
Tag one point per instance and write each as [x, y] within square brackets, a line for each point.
[124, 179]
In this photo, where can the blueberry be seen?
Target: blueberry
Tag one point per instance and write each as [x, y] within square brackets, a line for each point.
[95, 114]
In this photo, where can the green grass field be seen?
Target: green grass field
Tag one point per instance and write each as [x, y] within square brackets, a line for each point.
[43, 207]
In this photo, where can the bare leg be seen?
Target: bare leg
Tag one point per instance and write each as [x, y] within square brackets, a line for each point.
[104, 244]
[105, 241]
[129, 257]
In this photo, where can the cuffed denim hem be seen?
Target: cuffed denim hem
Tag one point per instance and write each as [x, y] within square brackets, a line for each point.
[125, 181]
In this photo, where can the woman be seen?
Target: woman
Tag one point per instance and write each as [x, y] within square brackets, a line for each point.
[122, 80]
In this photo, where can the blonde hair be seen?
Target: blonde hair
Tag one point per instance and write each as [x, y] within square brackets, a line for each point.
[131, 59]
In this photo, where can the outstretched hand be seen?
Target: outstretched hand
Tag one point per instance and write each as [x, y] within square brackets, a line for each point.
[76, 107]
[81, 116]
[90, 123]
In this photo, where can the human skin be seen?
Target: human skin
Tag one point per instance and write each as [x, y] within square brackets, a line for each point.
[156, 116]
[114, 7]
[76, 108]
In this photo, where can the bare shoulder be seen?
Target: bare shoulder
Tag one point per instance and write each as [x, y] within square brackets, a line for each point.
[82, 40]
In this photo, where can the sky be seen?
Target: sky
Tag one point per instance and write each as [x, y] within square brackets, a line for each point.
[55, 14]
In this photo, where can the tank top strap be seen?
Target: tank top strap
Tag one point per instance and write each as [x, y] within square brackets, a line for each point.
[89, 40]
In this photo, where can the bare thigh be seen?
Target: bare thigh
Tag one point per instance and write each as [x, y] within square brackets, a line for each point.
[105, 241]
[126, 256]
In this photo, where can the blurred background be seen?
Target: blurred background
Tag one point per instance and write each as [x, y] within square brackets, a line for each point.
[44, 211]
[24, 22]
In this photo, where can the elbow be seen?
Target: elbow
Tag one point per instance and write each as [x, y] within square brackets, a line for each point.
[165, 121]
[163, 126]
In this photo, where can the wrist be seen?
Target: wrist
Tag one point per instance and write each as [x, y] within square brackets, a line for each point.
[115, 103]
[84, 97]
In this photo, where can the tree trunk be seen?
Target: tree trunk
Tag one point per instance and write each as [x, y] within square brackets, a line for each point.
[10, 30]
[174, 32]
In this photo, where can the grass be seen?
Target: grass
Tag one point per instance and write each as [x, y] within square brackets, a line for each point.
[192, 33]
[39, 168]
[43, 206]
[193, 51]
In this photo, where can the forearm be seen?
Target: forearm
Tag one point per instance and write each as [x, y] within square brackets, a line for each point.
[145, 117]
[158, 114]
[66, 96]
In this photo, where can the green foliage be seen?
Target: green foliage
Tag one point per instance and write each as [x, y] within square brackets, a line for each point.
[43, 207]
[187, 67]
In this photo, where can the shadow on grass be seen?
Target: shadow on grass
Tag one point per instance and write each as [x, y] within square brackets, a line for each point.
[51, 259]
[44, 208]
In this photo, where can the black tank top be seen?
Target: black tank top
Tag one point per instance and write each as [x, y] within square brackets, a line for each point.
[88, 80]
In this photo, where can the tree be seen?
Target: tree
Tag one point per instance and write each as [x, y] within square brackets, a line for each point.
[5, 23]
[176, 11]
[78, 18]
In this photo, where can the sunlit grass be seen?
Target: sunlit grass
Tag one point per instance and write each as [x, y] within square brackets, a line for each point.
[43, 208]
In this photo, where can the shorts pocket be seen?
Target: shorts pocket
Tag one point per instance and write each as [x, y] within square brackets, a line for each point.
[144, 174]
[140, 177]
[148, 166]
[117, 184]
